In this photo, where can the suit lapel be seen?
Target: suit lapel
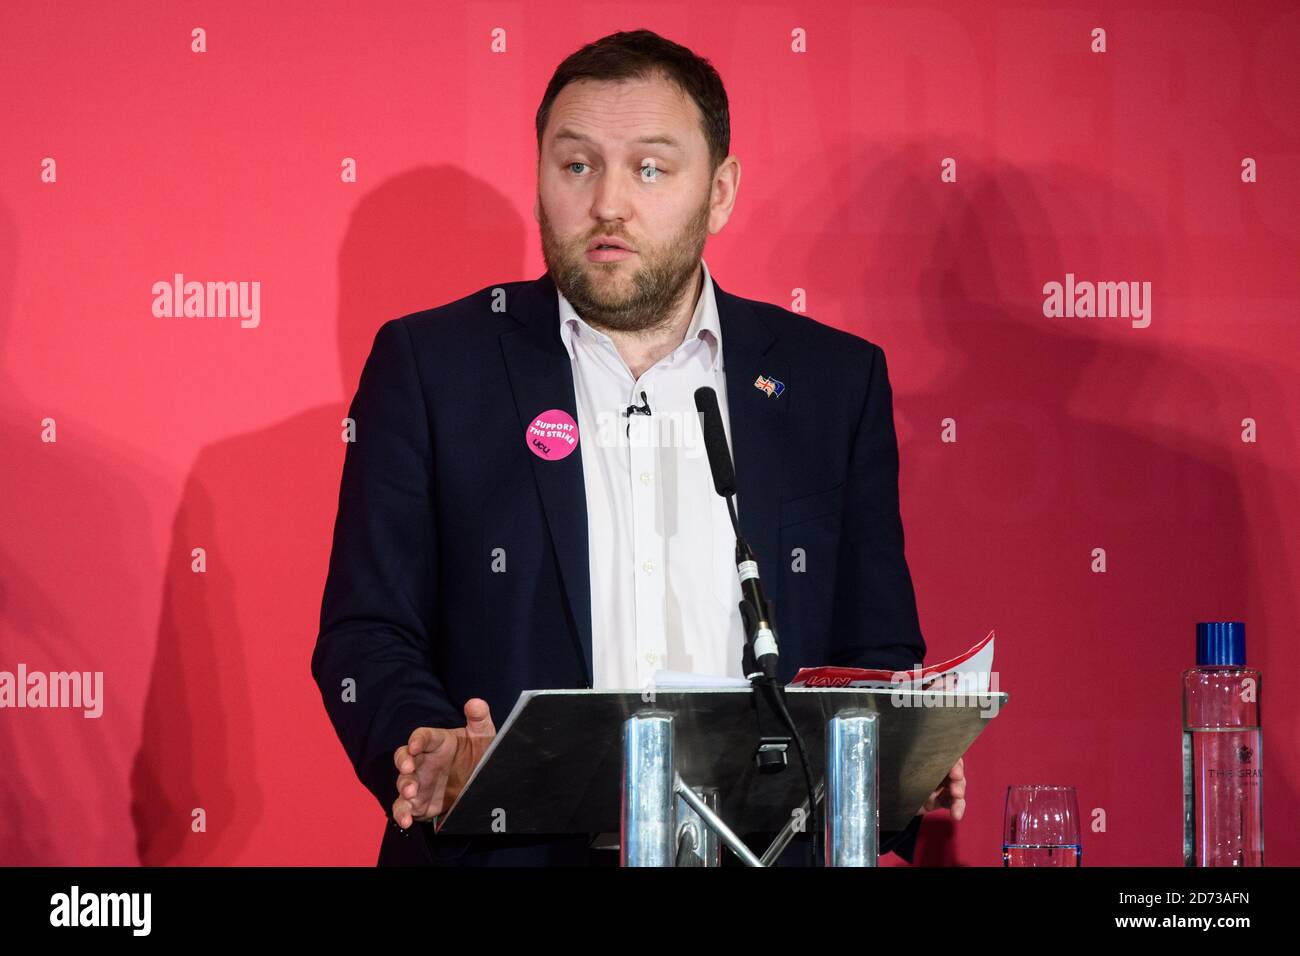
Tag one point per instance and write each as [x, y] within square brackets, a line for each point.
[758, 427]
[541, 378]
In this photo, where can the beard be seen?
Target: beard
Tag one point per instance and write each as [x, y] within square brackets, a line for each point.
[663, 275]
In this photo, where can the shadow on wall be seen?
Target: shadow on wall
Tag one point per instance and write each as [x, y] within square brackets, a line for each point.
[1072, 434]
[75, 520]
[233, 720]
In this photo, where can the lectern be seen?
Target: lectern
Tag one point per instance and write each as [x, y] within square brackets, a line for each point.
[672, 772]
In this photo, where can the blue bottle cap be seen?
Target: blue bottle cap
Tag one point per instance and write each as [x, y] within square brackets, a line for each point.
[1220, 644]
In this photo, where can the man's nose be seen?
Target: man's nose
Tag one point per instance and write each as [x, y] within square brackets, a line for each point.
[611, 197]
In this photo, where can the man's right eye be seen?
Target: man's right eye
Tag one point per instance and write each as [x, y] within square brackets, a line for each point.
[571, 165]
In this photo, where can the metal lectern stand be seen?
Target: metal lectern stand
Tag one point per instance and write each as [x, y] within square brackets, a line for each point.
[672, 772]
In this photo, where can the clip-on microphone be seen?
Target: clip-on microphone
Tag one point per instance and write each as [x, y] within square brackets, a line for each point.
[642, 409]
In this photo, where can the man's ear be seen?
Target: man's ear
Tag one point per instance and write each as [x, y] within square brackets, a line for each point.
[537, 209]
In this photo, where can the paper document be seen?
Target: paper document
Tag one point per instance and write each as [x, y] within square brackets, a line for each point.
[969, 671]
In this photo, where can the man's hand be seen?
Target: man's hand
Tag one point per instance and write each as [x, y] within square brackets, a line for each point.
[434, 765]
[951, 793]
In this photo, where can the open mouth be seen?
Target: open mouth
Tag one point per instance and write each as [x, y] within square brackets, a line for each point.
[607, 252]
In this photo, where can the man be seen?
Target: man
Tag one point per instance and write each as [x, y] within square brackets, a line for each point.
[527, 503]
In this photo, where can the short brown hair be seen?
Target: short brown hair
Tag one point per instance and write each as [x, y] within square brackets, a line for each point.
[642, 54]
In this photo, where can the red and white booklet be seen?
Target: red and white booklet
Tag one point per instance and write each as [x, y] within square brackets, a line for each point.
[969, 671]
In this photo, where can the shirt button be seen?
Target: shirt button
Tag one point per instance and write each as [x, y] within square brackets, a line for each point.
[649, 566]
[651, 657]
[645, 477]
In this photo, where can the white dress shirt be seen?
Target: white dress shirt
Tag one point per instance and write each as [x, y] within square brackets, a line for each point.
[664, 590]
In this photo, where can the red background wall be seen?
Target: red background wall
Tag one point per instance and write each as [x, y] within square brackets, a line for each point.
[1073, 434]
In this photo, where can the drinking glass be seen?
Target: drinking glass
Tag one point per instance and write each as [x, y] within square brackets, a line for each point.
[1041, 826]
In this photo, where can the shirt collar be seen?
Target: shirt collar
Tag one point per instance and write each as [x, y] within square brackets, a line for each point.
[704, 321]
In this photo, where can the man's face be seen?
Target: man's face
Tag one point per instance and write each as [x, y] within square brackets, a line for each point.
[605, 170]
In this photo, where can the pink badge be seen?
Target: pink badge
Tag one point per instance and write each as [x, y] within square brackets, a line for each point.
[552, 435]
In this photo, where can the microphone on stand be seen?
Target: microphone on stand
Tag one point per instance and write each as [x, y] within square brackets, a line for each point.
[763, 644]
[776, 728]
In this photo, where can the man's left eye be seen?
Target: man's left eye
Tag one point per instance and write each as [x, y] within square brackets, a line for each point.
[649, 168]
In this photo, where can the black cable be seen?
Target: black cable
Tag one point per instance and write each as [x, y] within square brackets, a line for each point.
[778, 702]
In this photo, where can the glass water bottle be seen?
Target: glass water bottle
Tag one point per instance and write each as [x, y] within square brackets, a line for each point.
[1223, 776]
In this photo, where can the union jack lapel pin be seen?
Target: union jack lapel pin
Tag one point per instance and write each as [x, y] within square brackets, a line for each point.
[771, 386]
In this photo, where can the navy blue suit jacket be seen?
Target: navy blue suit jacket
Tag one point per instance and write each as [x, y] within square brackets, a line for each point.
[439, 476]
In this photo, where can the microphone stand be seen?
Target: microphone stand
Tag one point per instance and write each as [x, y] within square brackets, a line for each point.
[776, 728]
[774, 739]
